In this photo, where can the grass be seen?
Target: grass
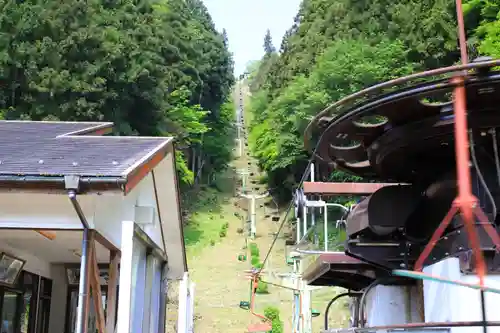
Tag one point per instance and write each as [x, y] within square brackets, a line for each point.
[215, 238]
[207, 221]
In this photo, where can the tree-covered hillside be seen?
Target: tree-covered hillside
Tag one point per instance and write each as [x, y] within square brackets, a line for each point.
[335, 48]
[152, 68]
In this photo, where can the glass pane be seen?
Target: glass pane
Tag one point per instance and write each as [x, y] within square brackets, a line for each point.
[43, 316]
[72, 310]
[8, 324]
[46, 287]
[25, 312]
[28, 279]
[9, 269]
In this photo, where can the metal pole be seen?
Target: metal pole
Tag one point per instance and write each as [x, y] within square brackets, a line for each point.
[325, 226]
[296, 297]
[253, 198]
[298, 230]
[350, 294]
[305, 220]
[81, 316]
[252, 219]
[313, 211]
[462, 39]
[297, 217]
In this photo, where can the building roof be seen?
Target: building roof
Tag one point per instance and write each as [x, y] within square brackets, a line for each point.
[32, 150]
[341, 270]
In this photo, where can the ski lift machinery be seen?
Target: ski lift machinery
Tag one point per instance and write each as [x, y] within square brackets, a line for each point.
[445, 158]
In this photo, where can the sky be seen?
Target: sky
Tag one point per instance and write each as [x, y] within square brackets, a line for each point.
[246, 22]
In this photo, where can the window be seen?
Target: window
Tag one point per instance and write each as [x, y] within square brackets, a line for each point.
[73, 308]
[9, 312]
[19, 305]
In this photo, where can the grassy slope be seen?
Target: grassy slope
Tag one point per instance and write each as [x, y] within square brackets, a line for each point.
[219, 277]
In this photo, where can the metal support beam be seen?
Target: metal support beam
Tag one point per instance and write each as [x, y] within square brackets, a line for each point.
[343, 188]
[84, 286]
[253, 198]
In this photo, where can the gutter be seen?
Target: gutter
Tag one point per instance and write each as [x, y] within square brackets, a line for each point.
[59, 182]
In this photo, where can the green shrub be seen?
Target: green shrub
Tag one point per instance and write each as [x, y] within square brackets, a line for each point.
[254, 250]
[258, 265]
[277, 326]
[255, 261]
[262, 288]
[223, 230]
[273, 314]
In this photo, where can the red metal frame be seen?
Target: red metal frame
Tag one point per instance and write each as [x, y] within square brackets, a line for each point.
[342, 188]
[260, 327]
[465, 202]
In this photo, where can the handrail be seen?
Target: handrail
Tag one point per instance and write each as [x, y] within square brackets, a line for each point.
[333, 300]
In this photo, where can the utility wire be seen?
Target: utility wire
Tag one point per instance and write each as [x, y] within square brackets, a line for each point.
[290, 206]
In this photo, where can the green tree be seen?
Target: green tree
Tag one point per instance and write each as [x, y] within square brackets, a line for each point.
[345, 67]
[335, 48]
[154, 68]
[268, 44]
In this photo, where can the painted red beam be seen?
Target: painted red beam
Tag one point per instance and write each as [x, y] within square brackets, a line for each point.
[342, 188]
[339, 258]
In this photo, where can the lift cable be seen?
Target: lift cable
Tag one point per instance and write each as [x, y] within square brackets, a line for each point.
[291, 204]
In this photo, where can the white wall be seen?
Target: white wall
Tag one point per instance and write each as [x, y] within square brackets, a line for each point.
[388, 305]
[104, 212]
[58, 300]
[165, 181]
[445, 302]
[36, 210]
[143, 195]
[140, 286]
[33, 264]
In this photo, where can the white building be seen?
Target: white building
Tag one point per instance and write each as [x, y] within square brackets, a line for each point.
[61, 182]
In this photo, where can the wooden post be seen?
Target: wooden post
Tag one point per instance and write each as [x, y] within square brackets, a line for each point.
[47, 234]
[96, 288]
[112, 292]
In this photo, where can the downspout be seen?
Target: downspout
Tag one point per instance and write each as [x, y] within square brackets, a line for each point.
[72, 183]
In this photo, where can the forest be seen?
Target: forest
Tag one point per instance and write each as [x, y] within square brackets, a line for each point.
[154, 68]
[335, 48]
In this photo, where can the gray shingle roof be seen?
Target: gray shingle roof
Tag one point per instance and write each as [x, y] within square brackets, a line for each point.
[30, 148]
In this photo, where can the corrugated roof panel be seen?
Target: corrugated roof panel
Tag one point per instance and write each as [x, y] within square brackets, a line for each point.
[34, 148]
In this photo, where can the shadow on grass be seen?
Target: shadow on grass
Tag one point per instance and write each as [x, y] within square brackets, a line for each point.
[203, 209]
